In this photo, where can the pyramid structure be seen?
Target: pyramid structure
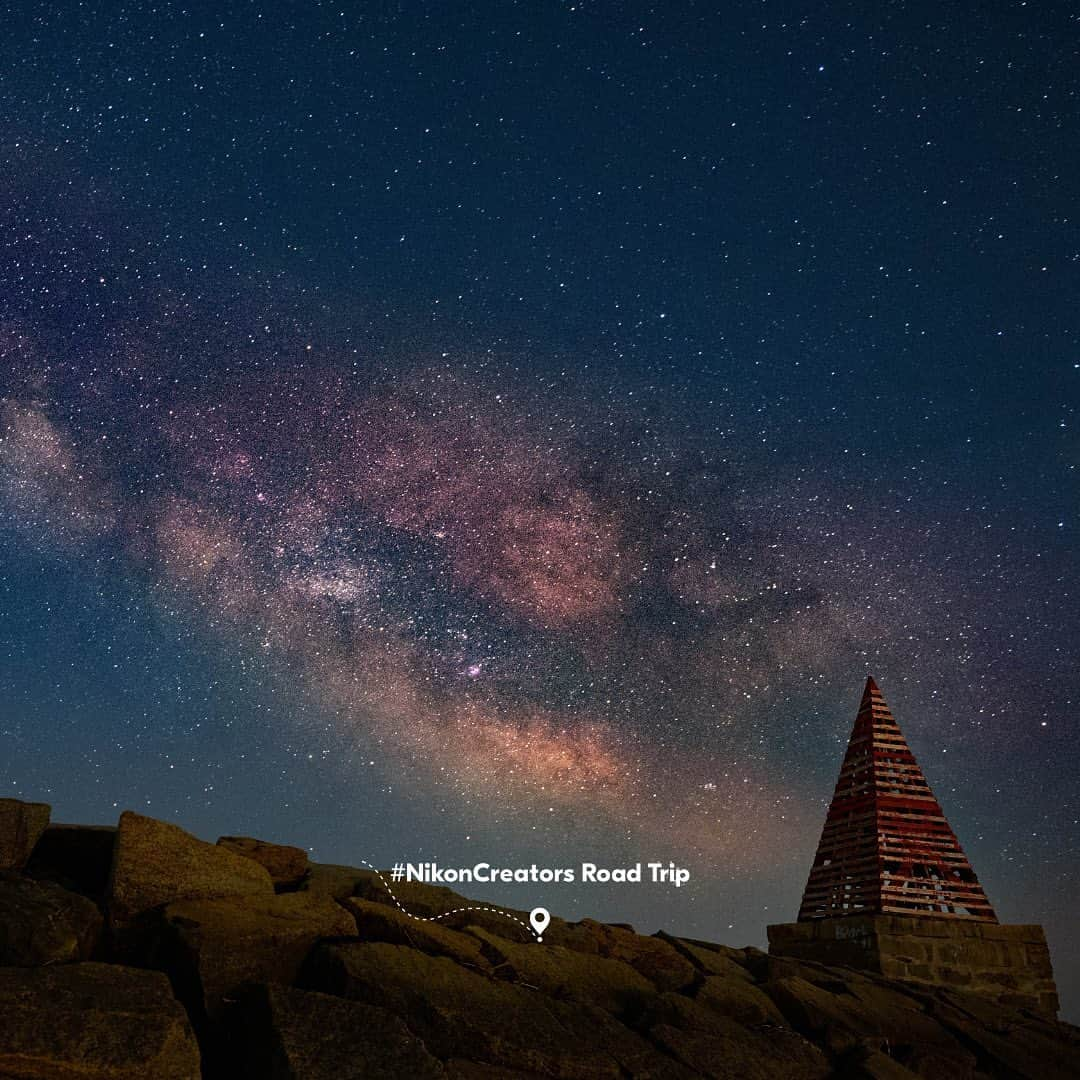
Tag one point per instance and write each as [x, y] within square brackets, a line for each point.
[886, 848]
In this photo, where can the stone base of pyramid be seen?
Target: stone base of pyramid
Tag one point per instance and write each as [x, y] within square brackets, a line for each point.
[1010, 964]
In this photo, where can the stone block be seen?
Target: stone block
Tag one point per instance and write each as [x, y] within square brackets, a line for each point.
[42, 924]
[986, 958]
[212, 947]
[94, 1022]
[21, 824]
[285, 864]
[156, 863]
[353, 1041]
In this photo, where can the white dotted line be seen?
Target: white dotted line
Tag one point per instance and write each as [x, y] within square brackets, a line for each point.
[443, 915]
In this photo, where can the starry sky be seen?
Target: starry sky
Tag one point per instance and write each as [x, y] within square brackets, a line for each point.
[513, 431]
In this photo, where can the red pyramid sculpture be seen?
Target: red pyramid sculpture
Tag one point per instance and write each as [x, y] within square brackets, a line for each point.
[886, 847]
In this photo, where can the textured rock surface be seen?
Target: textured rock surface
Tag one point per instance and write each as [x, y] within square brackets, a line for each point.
[41, 923]
[379, 922]
[1010, 964]
[212, 947]
[93, 1022]
[354, 1041]
[21, 824]
[339, 882]
[653, 957]
[329, 978]
[156, 863]
[286, 865]
[460, 1014]
[569, 976]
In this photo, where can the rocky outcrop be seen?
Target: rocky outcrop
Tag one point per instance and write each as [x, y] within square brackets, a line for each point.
[21, 825]
[355, 1042]
[155, 863]
[285, 864]
[95, 1022]
[328, 978]
[41, 923]
[379, 922]
[339, 882]
[214, 947]
[459, 1013]
[568, 975]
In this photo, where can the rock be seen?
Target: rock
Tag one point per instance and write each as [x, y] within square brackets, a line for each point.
[21, 823]
[458, 1013]
[840, 1026]
[155, 863]
[634, 1054]
[852, 1012]
[455, 912]
[414, 896]
[561, 973]
[457, 1069]
[77, 857]
[652, 957]
[94, 1022]
[376, 922]
[738, 999]
[41, 923]
[338, 882]
[286, 865]
[874, 1065]
[711, 959]
[715, 1045]
[352, 1041]
[723, 1048]
[212, 947]
[468, 996]
[1020, 1047]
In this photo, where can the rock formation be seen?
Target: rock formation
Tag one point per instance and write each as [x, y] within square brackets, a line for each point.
[143, 952]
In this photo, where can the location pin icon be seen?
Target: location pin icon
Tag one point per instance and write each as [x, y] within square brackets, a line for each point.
[539, 917]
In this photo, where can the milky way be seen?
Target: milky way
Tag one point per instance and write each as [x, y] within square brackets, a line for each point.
[444, 572]
[516, 437]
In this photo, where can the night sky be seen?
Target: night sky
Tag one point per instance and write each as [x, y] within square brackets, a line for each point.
[512, 432]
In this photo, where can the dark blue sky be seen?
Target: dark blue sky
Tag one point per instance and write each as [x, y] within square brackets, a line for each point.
[515, 430]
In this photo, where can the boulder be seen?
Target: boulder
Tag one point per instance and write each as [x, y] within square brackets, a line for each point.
[339, 882]
[874, 1065]
[286, 865]
[41, 923]
[561, 973]
[730, 1051]
[276, 1025]
[635, 1055]
[652, 957]
[155, 863]
[211, 947]
[851, 1012]
[459, 1013]
[414, 896]
[454, 910]
[377, 922]
[711, 959]
[715, 1045]
[77, 857]
[738, 999]
[94, 1022]
[457, 1069]
[1011, 1044]
[21, 823]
